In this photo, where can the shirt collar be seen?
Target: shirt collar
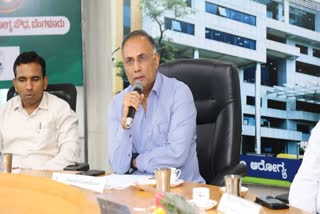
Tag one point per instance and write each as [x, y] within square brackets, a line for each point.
[43, 104]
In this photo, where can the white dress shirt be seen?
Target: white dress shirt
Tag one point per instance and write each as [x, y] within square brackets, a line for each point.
[46, 139]
[305, 188]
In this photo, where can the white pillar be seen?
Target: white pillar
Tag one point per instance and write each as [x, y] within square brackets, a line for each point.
[258, 108]
[98, 78]
[286, 11]
[195, 53]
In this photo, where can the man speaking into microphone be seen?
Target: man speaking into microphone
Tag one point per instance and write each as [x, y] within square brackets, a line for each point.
[152, 122]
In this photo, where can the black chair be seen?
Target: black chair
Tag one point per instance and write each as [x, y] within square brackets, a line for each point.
[216, 91]
[65, 91]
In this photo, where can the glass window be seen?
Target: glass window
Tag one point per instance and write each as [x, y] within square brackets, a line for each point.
[276, 38]
[308, 107]
[269, 72]
[302, 18]
[222, 11]
[179, 26]
[230, 39]
[176, 25]
[306, 68]
[316, 53]
[303, 49]
[211, 8]
[303, 128]
[249, 73]
[126, 18]
[272, 10]
[275, 104]
[252, 20]
[251, 101]
[230, 13]
[240, 41]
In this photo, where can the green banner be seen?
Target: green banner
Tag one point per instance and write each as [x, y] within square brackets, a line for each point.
[52, 28]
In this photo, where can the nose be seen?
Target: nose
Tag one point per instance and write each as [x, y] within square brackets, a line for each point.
[137, 66]
[29, 85]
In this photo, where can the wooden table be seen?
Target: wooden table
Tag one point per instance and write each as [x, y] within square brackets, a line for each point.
[135, 198]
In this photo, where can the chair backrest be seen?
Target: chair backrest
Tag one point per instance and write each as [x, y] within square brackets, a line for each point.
[65, 91]
[216, 91]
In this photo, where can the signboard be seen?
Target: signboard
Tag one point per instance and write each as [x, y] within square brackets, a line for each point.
[52, 28]
[273, 168]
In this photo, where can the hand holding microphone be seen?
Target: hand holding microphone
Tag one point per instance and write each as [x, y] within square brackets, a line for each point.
[132, 101]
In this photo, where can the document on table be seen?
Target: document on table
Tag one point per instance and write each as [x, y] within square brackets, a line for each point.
[115, 181]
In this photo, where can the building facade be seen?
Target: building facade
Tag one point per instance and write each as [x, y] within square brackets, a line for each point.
[276, 46]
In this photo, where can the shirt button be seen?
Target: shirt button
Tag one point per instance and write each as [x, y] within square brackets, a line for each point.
[130, 136]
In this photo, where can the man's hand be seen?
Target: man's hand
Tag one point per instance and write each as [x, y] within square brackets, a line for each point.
[133, 99]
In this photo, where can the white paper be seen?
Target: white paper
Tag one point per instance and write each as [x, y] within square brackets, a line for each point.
[238, 205]
[16, 171]
[115, 181]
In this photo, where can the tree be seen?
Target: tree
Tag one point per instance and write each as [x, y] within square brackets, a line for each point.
[155, 10]
[118, 64]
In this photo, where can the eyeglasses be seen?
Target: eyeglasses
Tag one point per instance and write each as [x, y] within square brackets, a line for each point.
[141, 59]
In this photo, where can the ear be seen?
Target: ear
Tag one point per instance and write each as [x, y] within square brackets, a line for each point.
[45, 82]
[14, 82]
[156, 60]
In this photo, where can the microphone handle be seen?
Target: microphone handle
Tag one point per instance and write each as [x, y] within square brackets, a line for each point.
[130, 117]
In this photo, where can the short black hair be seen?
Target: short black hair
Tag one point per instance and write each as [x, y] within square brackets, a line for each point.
[139, 33]
[29, 57]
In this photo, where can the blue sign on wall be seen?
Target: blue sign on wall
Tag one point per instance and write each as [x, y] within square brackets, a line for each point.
[273, 168]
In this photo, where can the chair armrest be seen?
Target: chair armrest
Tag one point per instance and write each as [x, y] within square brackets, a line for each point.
[77, 167]
[238, 169]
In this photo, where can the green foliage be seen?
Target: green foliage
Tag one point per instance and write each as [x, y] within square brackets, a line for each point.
[119, 64]
[167, 52]
[155, 10]
[176, 204]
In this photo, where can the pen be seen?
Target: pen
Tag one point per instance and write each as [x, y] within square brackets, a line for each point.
[39, 127]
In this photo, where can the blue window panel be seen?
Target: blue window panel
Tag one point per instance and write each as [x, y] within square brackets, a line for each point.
[302, 18]
[230, 14]
[178, 26]
[167, 23]
[230, 39]
[240, 41]
[126, 17]
[211, 8]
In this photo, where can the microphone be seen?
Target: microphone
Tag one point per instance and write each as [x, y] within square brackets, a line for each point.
[139, 88]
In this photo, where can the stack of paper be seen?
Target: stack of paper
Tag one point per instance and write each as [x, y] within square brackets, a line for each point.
[115, 181]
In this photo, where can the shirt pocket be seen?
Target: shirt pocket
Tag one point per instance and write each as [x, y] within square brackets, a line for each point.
[46, 134]
[160, 133]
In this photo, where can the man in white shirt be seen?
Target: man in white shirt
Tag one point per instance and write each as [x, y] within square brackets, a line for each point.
[305, 188]
[39, 128]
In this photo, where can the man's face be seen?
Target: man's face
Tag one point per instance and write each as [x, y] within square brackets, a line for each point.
[140, 62]
[29, 83]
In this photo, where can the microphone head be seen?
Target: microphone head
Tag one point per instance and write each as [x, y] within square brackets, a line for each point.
[137, 86]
